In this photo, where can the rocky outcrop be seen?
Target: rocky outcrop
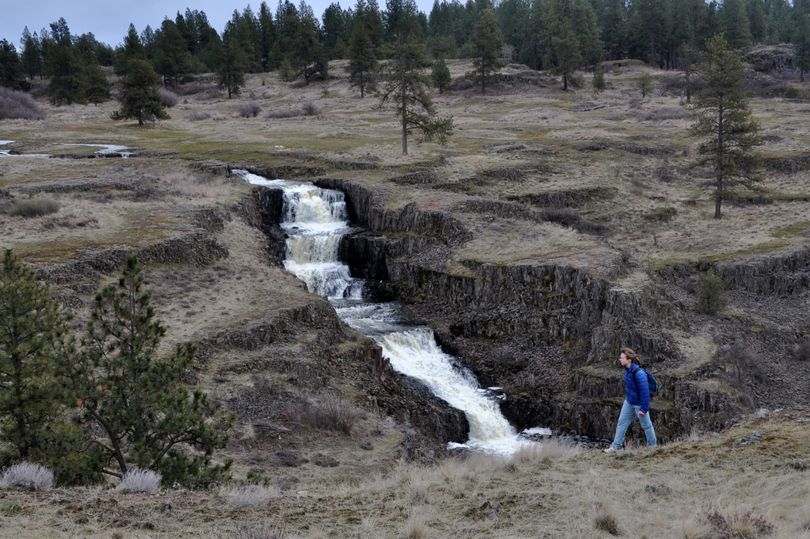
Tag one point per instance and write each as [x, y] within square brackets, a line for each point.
[547, 333]
[196, 249]
[781, 274]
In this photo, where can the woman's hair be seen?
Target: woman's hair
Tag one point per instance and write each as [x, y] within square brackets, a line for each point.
[631, 355]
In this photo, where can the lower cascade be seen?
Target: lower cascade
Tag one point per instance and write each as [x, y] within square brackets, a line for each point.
[315, 220]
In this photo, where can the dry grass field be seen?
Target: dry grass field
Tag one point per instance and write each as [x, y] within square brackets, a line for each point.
[618, 165]
[717, 486]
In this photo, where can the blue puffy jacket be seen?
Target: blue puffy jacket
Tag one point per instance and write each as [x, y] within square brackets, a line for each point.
[636, 388]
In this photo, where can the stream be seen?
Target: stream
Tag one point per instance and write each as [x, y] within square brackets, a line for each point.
[315, 221]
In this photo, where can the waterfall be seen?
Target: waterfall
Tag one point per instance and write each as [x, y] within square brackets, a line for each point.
[315, 221]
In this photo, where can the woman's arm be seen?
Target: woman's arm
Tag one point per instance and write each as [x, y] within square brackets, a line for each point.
[643, 390]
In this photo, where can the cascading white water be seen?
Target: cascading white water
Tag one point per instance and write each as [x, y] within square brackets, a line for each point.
[315, 220]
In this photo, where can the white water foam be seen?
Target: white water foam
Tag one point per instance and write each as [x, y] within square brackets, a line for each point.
[315, 220]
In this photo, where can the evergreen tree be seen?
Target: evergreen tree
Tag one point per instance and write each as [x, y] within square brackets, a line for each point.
[735, 24]
[11, 69]
[513, 18]
[33, 336]
[407, 88]
[486, 43]
[440, 75]
[31, 56]
[141, 405]
[172, 58]
[232, 64]
[139, 95]
[362, 58]
[98, 88]
[725, 120]
[64, 66]
[645, 84]
[335, 27]
[614, 29]
[564, 53]
[598, 78]
[267, 36]
[305, 51]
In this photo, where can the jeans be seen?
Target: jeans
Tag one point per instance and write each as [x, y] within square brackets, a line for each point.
[625, 418]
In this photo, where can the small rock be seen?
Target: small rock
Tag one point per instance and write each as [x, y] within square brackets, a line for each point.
[799, 464]
[762, 413]
[165, 508]
[366, 446]
[753, 438]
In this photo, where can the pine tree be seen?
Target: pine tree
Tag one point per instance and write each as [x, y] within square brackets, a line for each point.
[172, 58]
[440, 75]
[267, 33]
[564, 53]
[11, 69]
[725, 120]
[31, 56]
[645, 84]
[139, 95]
[598, 78]
[141, 405]
[33, 336]
[232, 63]
[486, 43]
[362, 58]
[98, 88]
[64, 66]
[735, 24]
[407, 88]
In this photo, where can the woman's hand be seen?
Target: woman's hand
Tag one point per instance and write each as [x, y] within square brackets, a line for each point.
[640, 413]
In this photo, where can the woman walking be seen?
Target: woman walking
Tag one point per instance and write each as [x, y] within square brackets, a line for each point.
[636, 401]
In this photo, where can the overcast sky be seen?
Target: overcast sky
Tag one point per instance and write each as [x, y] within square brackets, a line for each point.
[108, 20]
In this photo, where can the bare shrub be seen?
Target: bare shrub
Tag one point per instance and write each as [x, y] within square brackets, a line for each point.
[32, 207]
[742, 525]
[168, 98]
[280, 114]
[18, 105]
[249, 110]
[137, 480]
[198, 116]
[27, 475]
[802, 351]
[604, 521]
[309, 109]
[247, 495]
[256, 531]
[330, 412]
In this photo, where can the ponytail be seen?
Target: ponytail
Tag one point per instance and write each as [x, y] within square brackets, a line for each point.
[632, 356]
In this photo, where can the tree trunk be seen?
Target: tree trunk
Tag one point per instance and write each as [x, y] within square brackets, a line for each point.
[718, 193]
[483, 82]
[404, 121]
[565, 82]
[801, 74]
[362, 89]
